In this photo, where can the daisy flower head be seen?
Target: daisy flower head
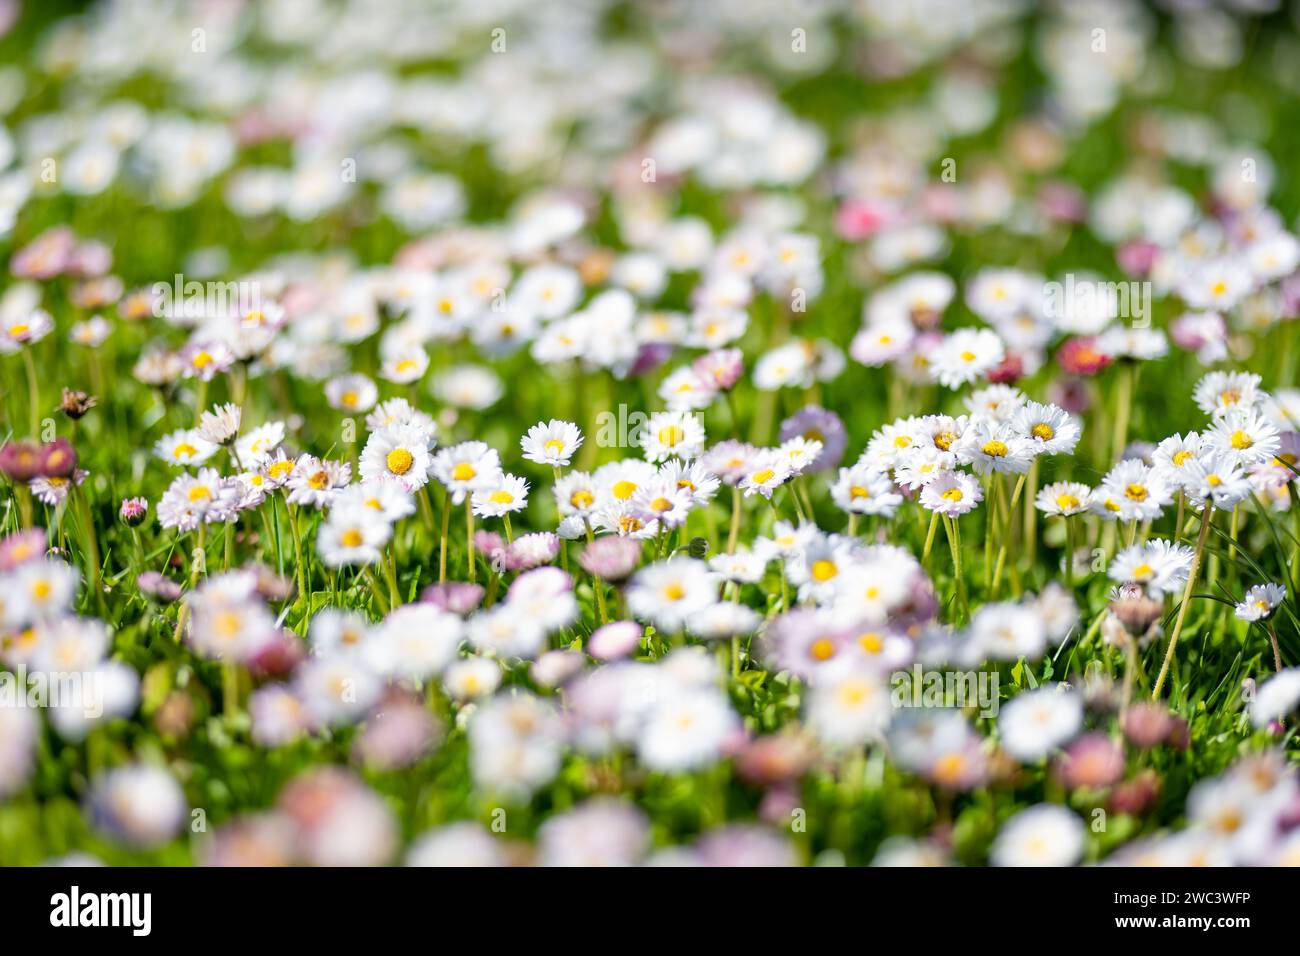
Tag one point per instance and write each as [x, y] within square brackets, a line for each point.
[1244, 436]
[1159, 565]
[38, 590]
[998, 402]
[25, 330]
[404, 365]
[352, 534]
[964, 356]
[882, 341]
[466, 468]
[672, 434]
[1220, 392]
[849, 708]
[1043, 835]
[1135, 492]
[814, 423]
[398, 453]
[256, 446]
[220, 426]
[661, 501]
[206, 360]
[862, 490]
[191, 500]
[1035, 722]
[1051, 429]
[504, 495]
[351, 393]
[729, 460]
[684, 390]
[669, 592]
[990, 447]
[768, 470]
[184, 448]
[398, 411]
[551, 443]
[917, 467]
[1261, 601]
[1217, 479]
[1066, 498]
[1173, 455]
[315, 481]
[952, 494]
[389, 499]
[692, 477]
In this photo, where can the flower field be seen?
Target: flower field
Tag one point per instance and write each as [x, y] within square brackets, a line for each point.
[743, 433]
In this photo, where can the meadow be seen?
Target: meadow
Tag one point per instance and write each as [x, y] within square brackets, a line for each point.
[596, 433]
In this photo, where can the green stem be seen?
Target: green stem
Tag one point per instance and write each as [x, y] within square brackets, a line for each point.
[1206, 518]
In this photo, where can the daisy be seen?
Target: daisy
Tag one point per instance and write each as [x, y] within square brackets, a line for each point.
[800, 453]
[990, 447]
[25, 330]
[1036, 722]
[256, 446]
[1171, 458]
[997, 403]
[465, 468]
[352, 535]
[351, 393]
[398, 411]
[1139, 492]
[1159, 565]
[315, 482]
[1244, 436]
[397, 453]
[191, 500]
[668, 434]
[221, 425]
[1218, 479]
[38, 590]
[552, 443]
[504, 495]
[1219, 392]
[687, 730]
[952, 494]
[184, 448]
[917, 467]
[1052, 430]
[404, 366]
[850, 709]
[723, 621]
[1043, 835]
[388, 499]
[766, 472]
[668, 593]
[882, 342]
[691, 477]
[861, 490]
[661, 501]
[741, 567]
[965, 356]
[1064, 498]
[1261, 601]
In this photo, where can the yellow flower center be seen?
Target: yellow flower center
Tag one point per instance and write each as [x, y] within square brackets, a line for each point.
[399, 461]
[671, 435]
[824, 570]
[582, 498]
[871, 642]
[199, 493]
[674, 592]
[1043, 431]
[185, 450]
[661, 504]
[624, 490]
[1241, 441]
[1180, 458]
[1143, 571]
[952, 494]
[943, 441]
[1067, 502]
[501, 497]
[1135, 492]
[968, 356]
[761, 477]
[352, 538]
[822, 649]
[995, 449]
[463, 472]
[857, 491]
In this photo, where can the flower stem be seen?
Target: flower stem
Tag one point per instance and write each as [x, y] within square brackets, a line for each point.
[1206, 518]
[953, 530]
[469, 540]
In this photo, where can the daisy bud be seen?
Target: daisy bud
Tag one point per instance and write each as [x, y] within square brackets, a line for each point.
[614, 640]
[58, 459]
[133, 511]
[21, 461]
[1147, 725]
[611, 559]
[1093, 761]
[455, 597]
